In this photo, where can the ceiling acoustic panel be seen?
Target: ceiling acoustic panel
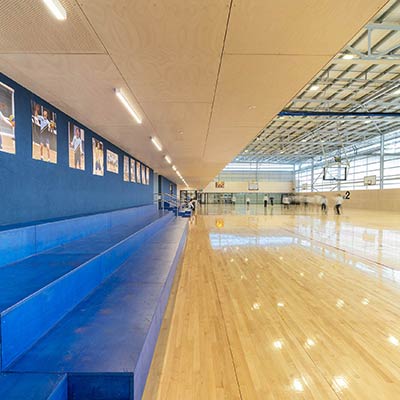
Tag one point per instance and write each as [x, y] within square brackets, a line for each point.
[223, 142]
[252, 89]
[312, 27]
[80, 85]
[27, 26]
[182, 125]
[167, 50]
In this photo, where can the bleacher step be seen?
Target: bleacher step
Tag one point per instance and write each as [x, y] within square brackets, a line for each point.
[31, 386]
[38, 291]
[106, 343]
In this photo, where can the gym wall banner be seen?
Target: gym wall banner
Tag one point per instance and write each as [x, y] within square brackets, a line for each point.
[138, 170]
[147, 176]
[133, 173]
[44, 133]
[112, 162]
[76, 138]
[144, 175]
[98, 157]
[7, 119]
[126, 168]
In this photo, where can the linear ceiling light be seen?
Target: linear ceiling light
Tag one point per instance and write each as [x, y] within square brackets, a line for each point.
[348, 57]
[314, 88]
[168, 159]
[174, 168]
[56, 8]
[156, 143]
[125, 102]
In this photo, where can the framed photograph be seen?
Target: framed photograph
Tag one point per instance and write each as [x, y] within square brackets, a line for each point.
[112, 162]
[144, 175]
[138, 172]
[7, 119]
[126, 168]
[98, 157]
[147, 176]
[44, 133]
[133, 171]
[76, 138]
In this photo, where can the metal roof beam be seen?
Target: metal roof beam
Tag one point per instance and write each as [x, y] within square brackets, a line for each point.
[289, 113]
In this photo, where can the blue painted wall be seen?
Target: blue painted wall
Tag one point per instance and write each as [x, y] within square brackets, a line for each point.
[33, 190]
[165, 186]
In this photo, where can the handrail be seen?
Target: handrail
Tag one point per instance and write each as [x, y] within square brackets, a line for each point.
[162, 198]
[171, 196]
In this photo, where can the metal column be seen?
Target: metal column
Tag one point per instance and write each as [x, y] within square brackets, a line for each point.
[382, 162]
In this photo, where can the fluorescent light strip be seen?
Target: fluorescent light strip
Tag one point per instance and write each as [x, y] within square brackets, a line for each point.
[56, 8]
[156, 143]
[125, 102]
[174, 168]
[168, 159]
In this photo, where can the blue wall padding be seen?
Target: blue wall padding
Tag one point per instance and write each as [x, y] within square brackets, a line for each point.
[33, 190]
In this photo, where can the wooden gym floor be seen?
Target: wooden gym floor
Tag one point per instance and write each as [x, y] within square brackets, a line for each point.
[283, 305]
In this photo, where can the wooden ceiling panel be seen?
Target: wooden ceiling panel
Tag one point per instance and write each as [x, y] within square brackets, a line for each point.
[182, 126]
[252, 89]
[80, 85]
[223, 142]
[167, 50]
[307, 27]
[26, 26]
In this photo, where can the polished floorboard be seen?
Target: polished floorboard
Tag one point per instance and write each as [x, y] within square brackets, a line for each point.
[277, 304]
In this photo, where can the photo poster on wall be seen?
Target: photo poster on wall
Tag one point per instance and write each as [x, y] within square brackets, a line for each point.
[126, 168]
[144, 175]
[138, 171]
[98, 157]
[147, 176]
[76, 138]
[7, 119]
[133, 174]
[112, 162]
[44, 133]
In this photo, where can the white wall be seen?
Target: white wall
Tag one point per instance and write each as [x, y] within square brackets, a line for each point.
[242, 187]
[382, 200]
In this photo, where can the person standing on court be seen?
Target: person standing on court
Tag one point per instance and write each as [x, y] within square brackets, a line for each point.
[324, 202]
[338, 204]
[247, 201]
[233, 199]
[265, 200]
[286, 202]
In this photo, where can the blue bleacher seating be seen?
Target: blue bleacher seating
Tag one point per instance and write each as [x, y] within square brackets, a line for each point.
[89, 304]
